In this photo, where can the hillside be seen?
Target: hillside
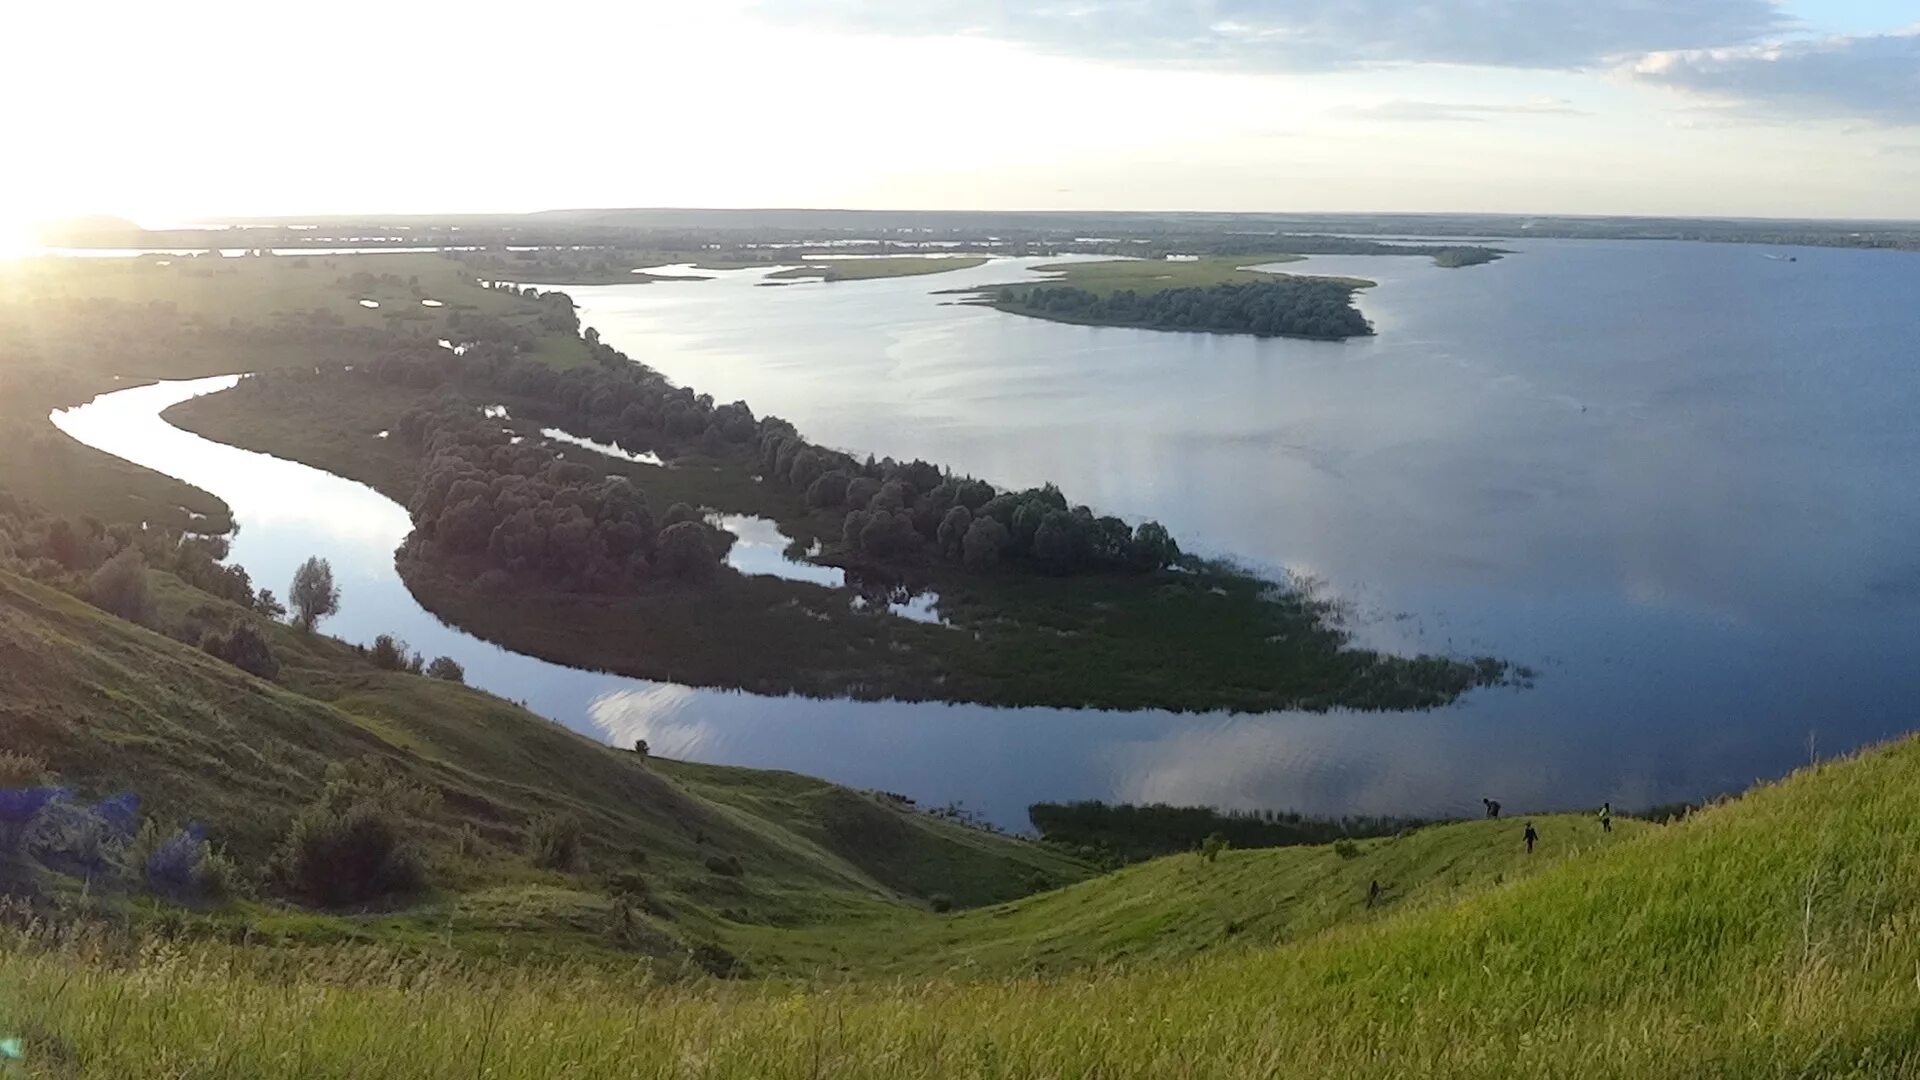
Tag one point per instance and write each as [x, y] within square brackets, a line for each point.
[111, 707]
[1767, 936]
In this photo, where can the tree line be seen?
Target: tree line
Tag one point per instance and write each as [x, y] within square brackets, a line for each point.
[1290, 307]
[1126, 832]
[529, 511]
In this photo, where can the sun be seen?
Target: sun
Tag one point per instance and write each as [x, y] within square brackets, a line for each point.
[17, 234]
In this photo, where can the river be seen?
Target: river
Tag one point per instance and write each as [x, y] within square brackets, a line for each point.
[1676, 479]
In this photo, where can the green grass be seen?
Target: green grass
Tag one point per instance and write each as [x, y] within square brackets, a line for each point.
[114, 707]
[1771, 936]
[867, 269]
[1153, 275]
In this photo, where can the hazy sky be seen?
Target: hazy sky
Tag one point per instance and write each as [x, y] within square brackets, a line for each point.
[170, 111]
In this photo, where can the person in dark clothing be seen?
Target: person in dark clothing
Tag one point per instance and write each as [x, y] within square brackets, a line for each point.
[1493, 808]
[1373, 893]
[1606, 817]
[1532, 837]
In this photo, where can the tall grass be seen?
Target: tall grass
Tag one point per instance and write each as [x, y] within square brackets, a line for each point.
[1775, 936]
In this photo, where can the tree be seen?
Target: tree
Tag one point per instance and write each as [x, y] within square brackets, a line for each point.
[953, 531]
[1153, 547]
[685, 552]
[641, 748]
[269, 605]
[120, 586]
[447, 669]
[313, 595]
[985, 540]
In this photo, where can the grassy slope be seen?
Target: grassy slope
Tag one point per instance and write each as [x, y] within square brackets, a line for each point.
[1771, 936]
[114, 707]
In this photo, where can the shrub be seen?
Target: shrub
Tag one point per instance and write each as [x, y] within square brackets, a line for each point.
[21, 770]
[336, 858]
[1346, 849]
[685, 552]
[1212, 846]
[726, 865]
[120, 586]
[447, 669]
[555, 842]
[941, 903]
[390, 653]
[243, 646]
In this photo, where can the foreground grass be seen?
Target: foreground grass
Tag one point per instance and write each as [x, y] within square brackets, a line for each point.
[1768, 937]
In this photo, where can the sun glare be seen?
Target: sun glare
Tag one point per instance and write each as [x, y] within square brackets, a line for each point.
[16, 235]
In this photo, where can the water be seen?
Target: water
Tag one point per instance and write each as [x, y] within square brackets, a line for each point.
[1675, 478]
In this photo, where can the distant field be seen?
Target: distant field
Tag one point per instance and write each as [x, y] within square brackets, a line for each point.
[1151, 275]
[890, 266]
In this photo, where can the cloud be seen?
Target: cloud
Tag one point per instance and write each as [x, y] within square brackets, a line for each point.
[1873, 77]
[1423, 112]
[1316, 35]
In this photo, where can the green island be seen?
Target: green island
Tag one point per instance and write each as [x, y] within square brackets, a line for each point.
[612, 265]
[396, 875]
[1042, 601]
[1214, 294]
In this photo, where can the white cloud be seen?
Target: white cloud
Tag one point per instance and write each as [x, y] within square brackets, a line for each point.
[1314, 35]
[1873, 77]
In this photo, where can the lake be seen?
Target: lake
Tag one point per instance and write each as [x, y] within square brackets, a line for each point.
[1676, 479]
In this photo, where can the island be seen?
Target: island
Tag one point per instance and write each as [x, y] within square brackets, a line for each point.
[1211, 294]
[617, 558]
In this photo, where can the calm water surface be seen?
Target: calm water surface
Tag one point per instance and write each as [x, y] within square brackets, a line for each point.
[1677, 479]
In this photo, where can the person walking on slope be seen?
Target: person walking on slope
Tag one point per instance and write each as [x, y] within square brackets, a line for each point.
[1532, 837]
[1606, 817]
[1373, 893]
[1493, 808]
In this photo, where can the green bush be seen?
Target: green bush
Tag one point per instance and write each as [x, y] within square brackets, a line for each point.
[340, 858]
[120, 586]
[941, 903]
[556, 841]
[726, 865]
[243, 646]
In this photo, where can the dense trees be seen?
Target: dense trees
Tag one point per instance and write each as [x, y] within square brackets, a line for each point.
[1294, 307]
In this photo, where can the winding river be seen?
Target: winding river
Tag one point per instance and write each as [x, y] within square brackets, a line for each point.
[1677, 479]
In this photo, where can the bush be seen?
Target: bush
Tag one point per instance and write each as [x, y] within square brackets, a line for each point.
[183, 865]
[390, 653]
[1346, 849]
[21, 770]
[244, 647]
[726, 865]
[555, 842]
[447, 669]
[336, 858]
[120, 586]
[941, 903]
[1212, 846]
[685, 552]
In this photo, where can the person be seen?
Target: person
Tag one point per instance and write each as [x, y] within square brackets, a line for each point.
[1606, 817]
[1493, 808]
[1532, 836]
[1373, 893]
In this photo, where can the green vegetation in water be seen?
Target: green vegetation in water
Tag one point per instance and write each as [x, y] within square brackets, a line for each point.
[1212, 293]
[1201, 637]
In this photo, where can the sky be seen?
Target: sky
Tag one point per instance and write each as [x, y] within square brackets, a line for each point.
[172, 112]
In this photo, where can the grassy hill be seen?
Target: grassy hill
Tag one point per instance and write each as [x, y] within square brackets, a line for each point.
[1766, 937]
[113, 707]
